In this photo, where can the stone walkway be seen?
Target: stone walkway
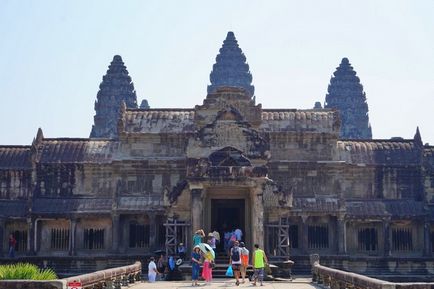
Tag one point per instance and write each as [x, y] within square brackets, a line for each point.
[299, 283]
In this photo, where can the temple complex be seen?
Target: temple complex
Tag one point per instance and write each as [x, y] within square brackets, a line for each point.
[296, 181]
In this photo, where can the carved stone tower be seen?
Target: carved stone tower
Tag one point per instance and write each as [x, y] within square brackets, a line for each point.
[345, 93]
[231, 68]
[116, 87]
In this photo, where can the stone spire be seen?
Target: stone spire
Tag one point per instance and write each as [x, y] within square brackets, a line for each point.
[231, 68]
[116, 87]
[417, 138]
[345, 93]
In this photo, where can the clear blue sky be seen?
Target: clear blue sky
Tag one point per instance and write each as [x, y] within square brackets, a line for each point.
[54, 54]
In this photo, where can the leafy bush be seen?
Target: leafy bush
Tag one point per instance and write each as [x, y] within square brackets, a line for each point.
[25, 271]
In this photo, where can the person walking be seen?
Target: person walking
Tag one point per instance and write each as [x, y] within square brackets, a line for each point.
[238, 234]
[197, 237]
[235, 261]
[244, 261]
[195, 266]
[161, 266]
[212, 241]
[207, 271]
[152, 270]
[12, 244]
[259, 261]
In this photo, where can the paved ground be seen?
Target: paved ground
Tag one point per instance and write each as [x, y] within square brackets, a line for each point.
[299, 283]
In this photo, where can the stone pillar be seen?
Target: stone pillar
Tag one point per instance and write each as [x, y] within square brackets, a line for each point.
[152, 231]
[72, 229]
[257, 212]
[426, 238]
[196, 209]
[304, 235]
[341, 236]
[115, 233]
[32, 246]
[387, 240]
[2, 235]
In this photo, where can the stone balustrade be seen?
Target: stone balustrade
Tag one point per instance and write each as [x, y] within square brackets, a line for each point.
[113, 278]
[338, 279]
[110, 278]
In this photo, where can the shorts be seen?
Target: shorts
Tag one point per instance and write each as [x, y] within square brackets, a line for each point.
[258, 274]
[236, 267]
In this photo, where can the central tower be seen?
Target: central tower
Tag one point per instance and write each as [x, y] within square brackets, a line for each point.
[231, 68]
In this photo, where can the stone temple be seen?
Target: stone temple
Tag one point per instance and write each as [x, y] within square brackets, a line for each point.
[296, 181]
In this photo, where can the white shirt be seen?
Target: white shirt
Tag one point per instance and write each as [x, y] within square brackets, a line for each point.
[244, 251]
[152, 267]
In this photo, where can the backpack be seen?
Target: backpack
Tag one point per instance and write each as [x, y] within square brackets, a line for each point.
[235, 254]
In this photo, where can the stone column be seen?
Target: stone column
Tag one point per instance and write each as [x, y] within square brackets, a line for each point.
[2, 235]
[341, 236]
[32, 247]
[152, 231]
[115, 233]
[304, 235]
[257, 212]
[387, 240]
[426, 238]
[72, 229]
[196, 209]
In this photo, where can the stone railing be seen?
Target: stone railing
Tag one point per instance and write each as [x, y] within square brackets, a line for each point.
[109, 278]
[113, 278]
[338, 279]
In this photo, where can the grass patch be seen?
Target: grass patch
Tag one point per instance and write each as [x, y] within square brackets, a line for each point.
[25, 271]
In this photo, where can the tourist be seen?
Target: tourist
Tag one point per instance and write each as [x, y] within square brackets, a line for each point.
[12, 244]
[207, 270]
[152, 270]
[227, 237]
[235, 261]
[216, 236]
[195, 266]
[212, 241]
[259, 261]
[238, 234]
[181, 251]
[161, 265]
[232, 241]
[244, 261]
[197, 238]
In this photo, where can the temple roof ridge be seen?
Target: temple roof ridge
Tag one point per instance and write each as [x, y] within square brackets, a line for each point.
[159, 109]
[84, 139]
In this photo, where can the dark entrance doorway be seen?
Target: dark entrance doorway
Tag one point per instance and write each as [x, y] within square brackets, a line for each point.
[226, 216]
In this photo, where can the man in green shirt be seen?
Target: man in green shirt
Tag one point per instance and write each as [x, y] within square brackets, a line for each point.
[259, 260]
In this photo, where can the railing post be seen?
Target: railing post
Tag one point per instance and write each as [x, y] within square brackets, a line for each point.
[117, 283]
[125, 280]
[109, 284]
